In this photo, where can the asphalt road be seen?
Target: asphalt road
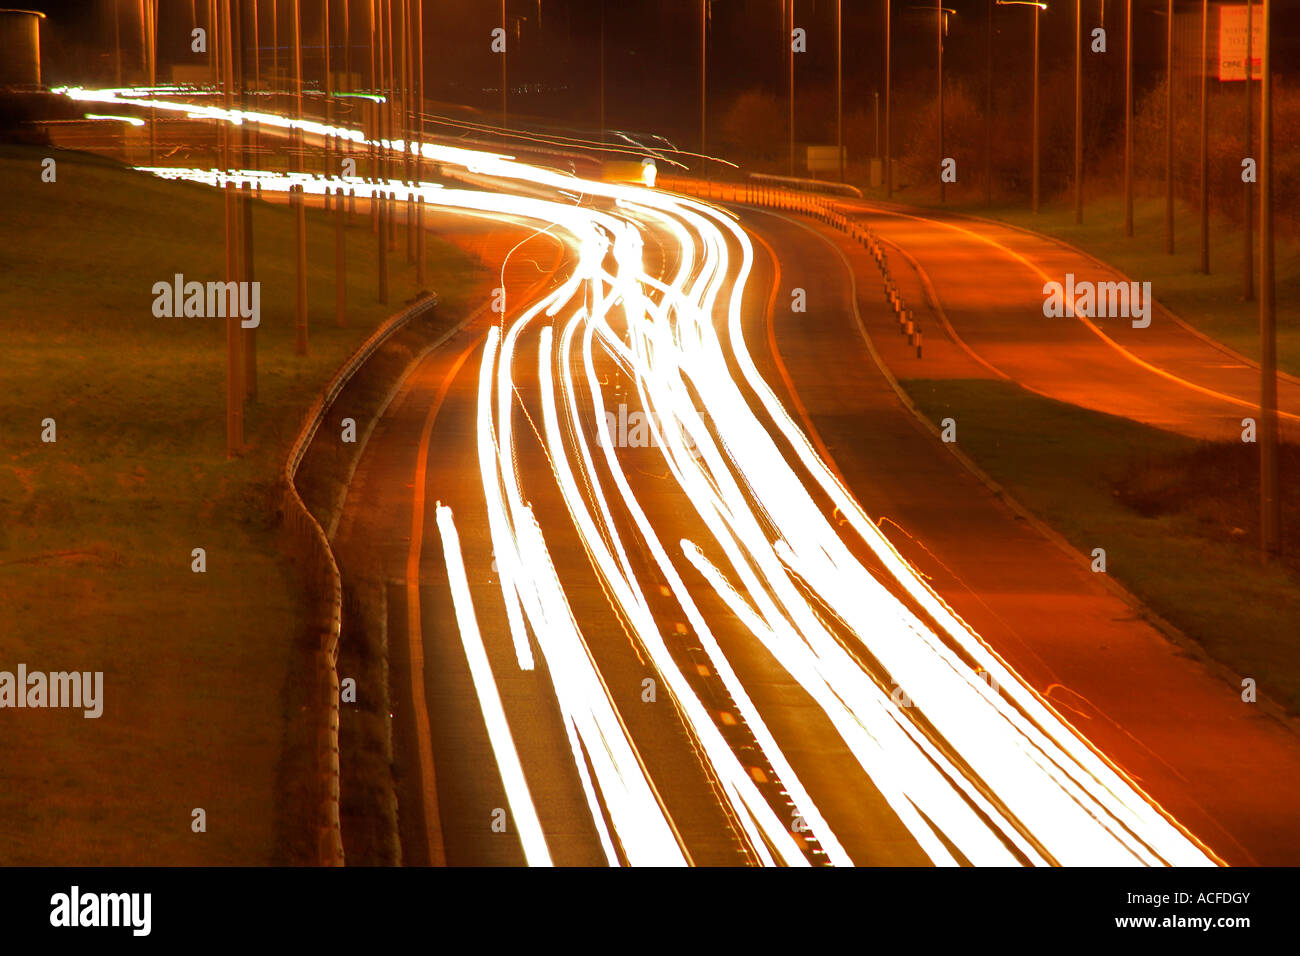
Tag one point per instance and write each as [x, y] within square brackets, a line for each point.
[885, 459]
[982, 284]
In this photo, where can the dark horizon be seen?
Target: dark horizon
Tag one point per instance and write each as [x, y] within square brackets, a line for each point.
[654, 49]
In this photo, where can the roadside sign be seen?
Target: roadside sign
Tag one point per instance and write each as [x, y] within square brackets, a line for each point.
[1232, 41]
[822, 159]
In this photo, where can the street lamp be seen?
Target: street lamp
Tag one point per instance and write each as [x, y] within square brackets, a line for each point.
[942, 14]
[1270, 505]
[1038, 8]
[1078, 111]
[505, 43]
[839, 83]
[988, 108]
[1204, 265]
[788, 28]
[1128, 118]
[602, 72]
[1247, 265]
[1169, 130]
[889, 170]
[704, 62]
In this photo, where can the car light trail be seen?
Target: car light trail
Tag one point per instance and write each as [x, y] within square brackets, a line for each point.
[640, 821]
[522, 810]
[978, 767]
[129, 120]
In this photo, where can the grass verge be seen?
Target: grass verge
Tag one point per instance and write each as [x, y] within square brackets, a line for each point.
[98, 527]
[1177, 517]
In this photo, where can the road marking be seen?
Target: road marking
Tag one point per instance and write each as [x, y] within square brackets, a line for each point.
[415, 637]
[1131, 356]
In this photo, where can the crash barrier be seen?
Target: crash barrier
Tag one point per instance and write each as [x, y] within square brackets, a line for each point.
[309, 542]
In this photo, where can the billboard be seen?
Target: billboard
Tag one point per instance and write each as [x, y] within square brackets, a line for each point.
[822, 159]
[1233, 38]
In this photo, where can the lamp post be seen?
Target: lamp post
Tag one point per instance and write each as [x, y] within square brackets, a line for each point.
[602, 72]
[839, 83]
[789, 48]
[1204, 262]
[889, 166]
[1039, 7]
[235, 389]
[297, 82]
[328, 88]
[941, 17]
[704, 64]
[1169, 129]
[1128, 118]
[1247, 263]
[1270, 523]
[988, 109]
[1078, 111]
[419, 90]
[505, 42]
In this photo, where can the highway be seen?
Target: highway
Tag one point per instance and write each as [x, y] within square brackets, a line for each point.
[649, 616]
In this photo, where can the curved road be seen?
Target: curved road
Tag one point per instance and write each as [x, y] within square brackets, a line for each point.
[676, 578]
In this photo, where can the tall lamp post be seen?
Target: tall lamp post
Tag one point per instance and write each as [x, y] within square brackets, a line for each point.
[505, 43]
[1039, 7]
[839, 83]
[1204, 261]
[602, 72]
[1169, 129]
[988, 109]
[1078, 111]
[889, 43]
[1270, 508]
[941, 16]
[789, 52]
[704, 74]
[1247, 264]
[1128, 118]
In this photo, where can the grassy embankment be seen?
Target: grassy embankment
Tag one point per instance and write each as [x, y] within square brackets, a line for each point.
[98, 528]
[1178, 518]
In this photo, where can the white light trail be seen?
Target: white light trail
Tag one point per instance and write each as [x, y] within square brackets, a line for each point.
[522, 809]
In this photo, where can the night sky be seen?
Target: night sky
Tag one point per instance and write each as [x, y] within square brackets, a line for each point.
[652, 50]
